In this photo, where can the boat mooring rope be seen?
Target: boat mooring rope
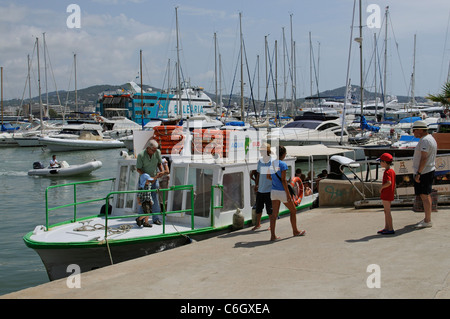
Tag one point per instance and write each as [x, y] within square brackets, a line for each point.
[120, 229]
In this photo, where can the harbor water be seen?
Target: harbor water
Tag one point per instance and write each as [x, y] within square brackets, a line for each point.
[22, 206]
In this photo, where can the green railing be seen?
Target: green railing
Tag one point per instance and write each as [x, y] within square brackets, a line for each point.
[164, 213]
[212, 201]
[75, 203]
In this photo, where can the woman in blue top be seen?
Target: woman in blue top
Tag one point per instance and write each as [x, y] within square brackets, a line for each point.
[280, 194]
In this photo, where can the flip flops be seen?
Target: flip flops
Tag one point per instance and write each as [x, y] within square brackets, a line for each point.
[386, 232]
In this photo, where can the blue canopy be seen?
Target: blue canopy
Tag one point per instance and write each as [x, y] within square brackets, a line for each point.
[7, 127]
[408, 138]
[365, 126]
[235, 123]
[410, 119]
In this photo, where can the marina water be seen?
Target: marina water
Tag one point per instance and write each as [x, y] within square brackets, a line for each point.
[22, 206]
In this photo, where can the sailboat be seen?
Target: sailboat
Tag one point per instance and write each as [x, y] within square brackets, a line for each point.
[143, 106]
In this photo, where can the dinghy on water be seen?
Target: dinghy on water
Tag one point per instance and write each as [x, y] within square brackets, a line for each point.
[65, 169]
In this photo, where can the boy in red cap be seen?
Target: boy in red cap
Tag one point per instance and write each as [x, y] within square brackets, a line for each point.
[387, 192]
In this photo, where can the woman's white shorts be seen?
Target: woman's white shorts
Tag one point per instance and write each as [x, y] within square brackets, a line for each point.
[278, 195]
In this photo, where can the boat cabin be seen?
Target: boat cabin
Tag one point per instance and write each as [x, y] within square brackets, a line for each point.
[219, 190]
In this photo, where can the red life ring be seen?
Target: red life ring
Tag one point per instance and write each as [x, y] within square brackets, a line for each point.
[297, 184]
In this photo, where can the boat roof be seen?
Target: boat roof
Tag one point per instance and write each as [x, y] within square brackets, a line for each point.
[313, 150]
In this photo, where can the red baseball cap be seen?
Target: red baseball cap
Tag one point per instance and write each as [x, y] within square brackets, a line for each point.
[386, 157]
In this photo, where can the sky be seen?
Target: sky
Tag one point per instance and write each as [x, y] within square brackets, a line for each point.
[107, 36]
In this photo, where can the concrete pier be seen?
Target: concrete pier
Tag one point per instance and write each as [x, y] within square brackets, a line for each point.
[341, 256]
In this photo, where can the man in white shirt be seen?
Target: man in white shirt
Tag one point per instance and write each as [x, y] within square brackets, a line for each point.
[54, 163]
[424, 166]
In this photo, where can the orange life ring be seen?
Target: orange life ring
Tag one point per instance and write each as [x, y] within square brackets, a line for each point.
[297, 184]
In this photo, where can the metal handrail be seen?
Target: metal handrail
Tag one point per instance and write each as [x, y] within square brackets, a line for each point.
[212, 201]
[107, 198]
[75, 203]
[163, 213]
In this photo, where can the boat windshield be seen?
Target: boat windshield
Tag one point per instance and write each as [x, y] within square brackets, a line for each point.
[310, 124]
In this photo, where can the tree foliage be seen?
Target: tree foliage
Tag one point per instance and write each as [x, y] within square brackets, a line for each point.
[444, 97]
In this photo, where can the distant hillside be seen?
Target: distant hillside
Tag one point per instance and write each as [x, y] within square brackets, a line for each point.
[367, 95]
[89, 96]
[86, 97]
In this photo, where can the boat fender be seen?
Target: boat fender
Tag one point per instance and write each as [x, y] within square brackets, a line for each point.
[238, 220]
[39, 230]
[189, 240]
[103, 209]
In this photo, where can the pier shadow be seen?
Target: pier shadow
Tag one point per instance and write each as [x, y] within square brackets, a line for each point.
[257, 243]
[398, 232]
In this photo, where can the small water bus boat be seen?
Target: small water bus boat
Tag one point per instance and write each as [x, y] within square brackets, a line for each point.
[65, 169]
[207, 195]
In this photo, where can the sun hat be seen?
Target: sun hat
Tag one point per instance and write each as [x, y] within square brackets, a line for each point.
[386, 157]
[421, 125]
[143, 179]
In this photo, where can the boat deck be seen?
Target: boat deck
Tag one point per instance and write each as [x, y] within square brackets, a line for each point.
[94, 230]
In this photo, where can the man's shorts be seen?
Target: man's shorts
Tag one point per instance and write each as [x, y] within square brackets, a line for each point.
[425, 185]
[261, 199]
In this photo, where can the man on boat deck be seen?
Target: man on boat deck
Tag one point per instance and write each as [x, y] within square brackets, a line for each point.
[149, 161]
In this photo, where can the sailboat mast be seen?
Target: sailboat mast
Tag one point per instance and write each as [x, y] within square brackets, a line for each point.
[142, 89]
[76, 91]
[39, 82]
[385, 60]
[361, 56]
[1, 83]
[215, 72]
[292, 69]
[375, 70]
[180, 107]
[45, 72]
[413, 98]
[242, 68]
[29, 88]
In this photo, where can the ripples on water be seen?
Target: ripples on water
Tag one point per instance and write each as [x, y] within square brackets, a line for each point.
[22, 207]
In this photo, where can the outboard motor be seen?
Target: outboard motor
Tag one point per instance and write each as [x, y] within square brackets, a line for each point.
[38, 165]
